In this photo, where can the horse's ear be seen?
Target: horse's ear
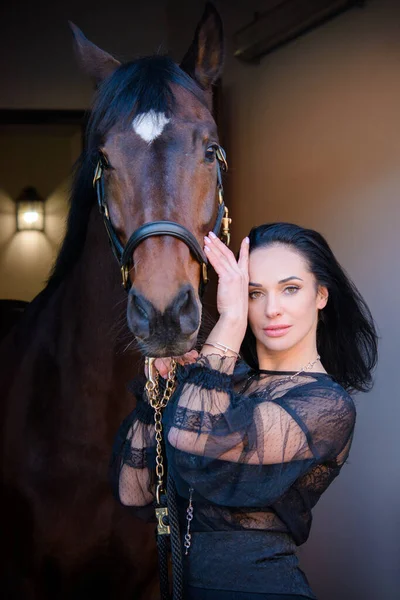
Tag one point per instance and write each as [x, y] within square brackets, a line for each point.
[204, 59]
[95, 62]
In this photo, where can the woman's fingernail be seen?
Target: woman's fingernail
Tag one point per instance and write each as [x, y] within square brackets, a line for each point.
[247, 240]
[212, 235]
[207, 240]
[207, 249]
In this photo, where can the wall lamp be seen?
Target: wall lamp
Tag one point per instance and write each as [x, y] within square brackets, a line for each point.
[30, 210]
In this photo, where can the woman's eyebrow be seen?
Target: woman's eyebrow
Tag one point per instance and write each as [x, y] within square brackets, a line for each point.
[281, 281]
[289, 278]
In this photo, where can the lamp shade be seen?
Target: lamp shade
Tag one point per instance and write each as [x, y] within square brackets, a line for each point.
[30, 210]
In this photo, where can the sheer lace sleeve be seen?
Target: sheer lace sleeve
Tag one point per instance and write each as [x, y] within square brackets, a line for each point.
[240, 449]
[133, 457]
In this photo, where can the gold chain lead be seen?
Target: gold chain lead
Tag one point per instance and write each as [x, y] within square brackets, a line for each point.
[153, 392]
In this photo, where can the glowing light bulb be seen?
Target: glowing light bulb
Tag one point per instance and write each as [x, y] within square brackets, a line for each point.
[31, 216]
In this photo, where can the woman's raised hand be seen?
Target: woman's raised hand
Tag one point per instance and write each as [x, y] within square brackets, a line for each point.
[232, 299]
[233, 278]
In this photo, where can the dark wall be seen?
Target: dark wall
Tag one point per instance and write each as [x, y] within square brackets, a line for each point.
[39, 69]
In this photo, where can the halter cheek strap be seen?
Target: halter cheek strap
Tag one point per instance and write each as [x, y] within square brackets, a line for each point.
[160, 228]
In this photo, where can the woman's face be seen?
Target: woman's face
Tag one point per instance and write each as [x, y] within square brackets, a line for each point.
[283, 292]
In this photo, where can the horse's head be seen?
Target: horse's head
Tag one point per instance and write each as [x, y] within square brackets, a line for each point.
[152, 130]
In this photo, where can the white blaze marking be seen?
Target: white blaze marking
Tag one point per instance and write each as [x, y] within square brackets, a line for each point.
[150, 125]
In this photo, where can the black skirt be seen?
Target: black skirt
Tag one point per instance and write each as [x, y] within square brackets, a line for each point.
[201, 594]
[239, 565]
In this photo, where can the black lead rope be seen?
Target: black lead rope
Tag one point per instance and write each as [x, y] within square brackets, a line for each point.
[170, 544]
[175, 539]
[163, 548]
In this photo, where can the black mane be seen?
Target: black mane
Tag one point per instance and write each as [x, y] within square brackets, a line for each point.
[134, 88]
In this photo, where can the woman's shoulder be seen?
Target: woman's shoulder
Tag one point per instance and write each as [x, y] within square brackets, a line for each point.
[321, 396]
[319, 383]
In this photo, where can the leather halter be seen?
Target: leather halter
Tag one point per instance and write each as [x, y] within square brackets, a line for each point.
[124, 255]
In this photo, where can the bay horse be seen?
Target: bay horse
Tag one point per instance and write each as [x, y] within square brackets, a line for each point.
[152, 150]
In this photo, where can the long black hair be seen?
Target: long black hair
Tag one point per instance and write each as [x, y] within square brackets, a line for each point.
[346, 334]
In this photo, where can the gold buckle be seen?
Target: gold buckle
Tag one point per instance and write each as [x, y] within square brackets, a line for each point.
[204, 272]
[226, 221]
[162, 528]
[125, 276]
[97, 173]
[151, 370]
[222, 158]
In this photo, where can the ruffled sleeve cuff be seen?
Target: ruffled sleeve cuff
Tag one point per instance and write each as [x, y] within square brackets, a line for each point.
[211, 372]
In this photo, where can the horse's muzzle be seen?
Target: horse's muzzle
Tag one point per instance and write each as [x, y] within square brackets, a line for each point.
[168, 333]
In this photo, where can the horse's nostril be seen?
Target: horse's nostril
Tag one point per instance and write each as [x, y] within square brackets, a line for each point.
[140, 313]
[139, 306]
[185, 301]
[185, 310]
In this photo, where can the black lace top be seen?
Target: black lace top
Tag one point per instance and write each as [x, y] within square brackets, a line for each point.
[257, 448]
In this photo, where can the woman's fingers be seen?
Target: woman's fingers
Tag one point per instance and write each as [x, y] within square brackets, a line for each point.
[219, 246]
[243, 261]
[216, 259]
[222, 259]
[163, 365]
[188, 358]
[222, 262]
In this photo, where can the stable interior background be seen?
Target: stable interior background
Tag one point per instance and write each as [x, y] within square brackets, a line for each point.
[312, 135]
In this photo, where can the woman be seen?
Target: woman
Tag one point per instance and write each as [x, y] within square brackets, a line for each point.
[252, 444]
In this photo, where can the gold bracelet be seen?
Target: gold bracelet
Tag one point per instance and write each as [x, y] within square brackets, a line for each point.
[220, 346]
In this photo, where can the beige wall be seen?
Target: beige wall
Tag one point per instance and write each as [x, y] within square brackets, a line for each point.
[313, 137]
[41, 157]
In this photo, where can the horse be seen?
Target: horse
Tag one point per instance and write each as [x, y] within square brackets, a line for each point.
[151, 163]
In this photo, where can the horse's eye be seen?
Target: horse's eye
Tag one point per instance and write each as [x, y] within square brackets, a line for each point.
[210, 154]
[104, 161]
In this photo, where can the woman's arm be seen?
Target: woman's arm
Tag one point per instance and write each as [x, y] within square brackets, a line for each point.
[133, 456]
[251, 453]
[135, 481]
[232, 304]
[244, 431]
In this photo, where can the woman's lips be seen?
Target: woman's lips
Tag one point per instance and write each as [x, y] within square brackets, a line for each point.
[276, 331]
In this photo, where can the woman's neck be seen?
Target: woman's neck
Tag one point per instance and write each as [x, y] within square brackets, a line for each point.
[292, 359]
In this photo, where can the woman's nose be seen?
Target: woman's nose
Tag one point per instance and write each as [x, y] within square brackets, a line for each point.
[272, 307]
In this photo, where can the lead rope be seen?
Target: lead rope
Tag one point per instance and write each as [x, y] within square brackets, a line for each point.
[176, 548]
[166, 508]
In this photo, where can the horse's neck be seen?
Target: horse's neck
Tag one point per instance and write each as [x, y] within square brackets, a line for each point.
[92, 304]
[94, 333]
[74, 359]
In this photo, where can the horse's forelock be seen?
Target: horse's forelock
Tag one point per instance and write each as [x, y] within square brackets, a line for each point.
[135, 88]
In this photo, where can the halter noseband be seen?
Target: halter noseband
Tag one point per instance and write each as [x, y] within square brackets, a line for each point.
[124, 254]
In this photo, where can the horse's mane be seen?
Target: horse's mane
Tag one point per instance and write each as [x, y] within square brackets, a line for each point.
[134, 88]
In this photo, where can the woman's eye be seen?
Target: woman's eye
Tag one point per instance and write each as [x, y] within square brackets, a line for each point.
[293, 289]
[254, 295]
[210, 154]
